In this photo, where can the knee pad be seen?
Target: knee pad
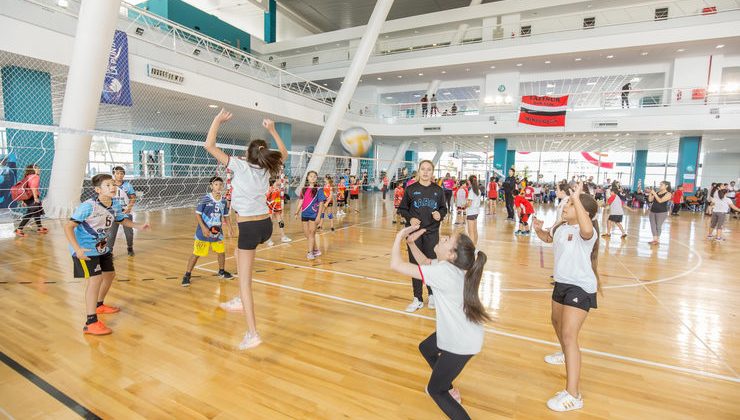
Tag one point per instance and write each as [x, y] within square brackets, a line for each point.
[331, 216]
[281, 224]
[322, 215]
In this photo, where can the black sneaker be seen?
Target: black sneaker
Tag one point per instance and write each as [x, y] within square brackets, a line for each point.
[131, 252]
[185, 281]
[224, 274]
[332, 229]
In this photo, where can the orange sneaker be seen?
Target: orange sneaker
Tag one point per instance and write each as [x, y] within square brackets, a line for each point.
[97, 328]
[105, 309]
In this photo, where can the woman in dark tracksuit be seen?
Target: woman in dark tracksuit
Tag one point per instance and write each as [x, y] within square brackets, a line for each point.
[423, 204]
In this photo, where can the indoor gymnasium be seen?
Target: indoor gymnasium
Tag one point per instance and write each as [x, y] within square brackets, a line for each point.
[369, 209]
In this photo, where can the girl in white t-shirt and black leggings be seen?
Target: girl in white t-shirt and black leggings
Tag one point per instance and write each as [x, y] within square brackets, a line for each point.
[473, 208]
[455, 277]
[575, 244]
[250, 182]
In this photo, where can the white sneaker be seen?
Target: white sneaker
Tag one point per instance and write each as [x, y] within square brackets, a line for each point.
[270, 243]
[316, 252]
[234, 305]
[563, 401]
[285, 239]
[250, 341]
[310, 256]
[430, 304]
[555, 358]
[415, 305]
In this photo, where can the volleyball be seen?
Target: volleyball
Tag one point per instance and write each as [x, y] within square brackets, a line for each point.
[356, 141]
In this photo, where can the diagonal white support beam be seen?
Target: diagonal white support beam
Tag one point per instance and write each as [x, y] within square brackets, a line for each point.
[367, 43]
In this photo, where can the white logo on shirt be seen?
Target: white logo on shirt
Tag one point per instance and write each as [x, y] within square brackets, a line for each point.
[575, 300]
[97, 268]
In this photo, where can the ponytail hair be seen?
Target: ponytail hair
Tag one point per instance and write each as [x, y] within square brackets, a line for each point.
[259, 154]
[474, 184]
[468, 259]
[564, 187]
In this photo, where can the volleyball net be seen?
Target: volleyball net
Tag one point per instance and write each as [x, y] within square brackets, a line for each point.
[165, 172]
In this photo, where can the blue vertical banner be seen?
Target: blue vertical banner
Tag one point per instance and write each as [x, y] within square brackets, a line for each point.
[117, 87]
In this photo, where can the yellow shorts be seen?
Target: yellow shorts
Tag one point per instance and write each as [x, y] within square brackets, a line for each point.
[200, 248]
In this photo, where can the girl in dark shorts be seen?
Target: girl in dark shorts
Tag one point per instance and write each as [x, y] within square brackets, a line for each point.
[575, 244]
[250, 183]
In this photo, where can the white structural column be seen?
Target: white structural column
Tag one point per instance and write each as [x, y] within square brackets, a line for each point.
[398, 158]
[437, 156]
[382, 7]
[95, 28]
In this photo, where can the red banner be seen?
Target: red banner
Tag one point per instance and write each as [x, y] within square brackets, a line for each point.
[547, 101]
[541, 119]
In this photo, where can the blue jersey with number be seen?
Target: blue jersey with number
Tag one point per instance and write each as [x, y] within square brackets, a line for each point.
[93, 221]
[124, 192]
[212, 212]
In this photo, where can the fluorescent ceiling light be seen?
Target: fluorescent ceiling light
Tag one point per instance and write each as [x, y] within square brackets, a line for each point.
[635, 79]
[212, 106]
[681, 50]
[591, 83]
[578, 59]
[551, 85]
[644, 53]
[547, 61]
[380, 78]
[519, 64]
[720, 46]
[609, 56]
[421, 74]
[493, 67]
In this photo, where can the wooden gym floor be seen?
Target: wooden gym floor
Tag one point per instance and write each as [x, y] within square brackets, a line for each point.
[664, 343]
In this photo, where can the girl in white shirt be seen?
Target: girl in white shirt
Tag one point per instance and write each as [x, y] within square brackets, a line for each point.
[575, 244]
[455, 277]
[250, 183]
[472, 208]
[722, 205]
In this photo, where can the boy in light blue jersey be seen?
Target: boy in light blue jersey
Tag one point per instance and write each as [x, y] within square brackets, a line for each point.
[87, 233]
[209, 233]
[126, 197]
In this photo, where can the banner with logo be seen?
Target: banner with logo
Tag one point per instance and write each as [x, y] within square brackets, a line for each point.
[543, 111]
[116, 87]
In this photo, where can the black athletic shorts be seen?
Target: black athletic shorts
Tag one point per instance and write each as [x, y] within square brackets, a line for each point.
[616, 218]
[95, 266]
[354, 196]
[254, 232]
[308, 219]
[471, 217]
[572, 295]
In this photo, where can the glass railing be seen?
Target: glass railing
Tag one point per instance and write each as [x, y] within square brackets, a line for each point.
[526, 31]
[635, 99]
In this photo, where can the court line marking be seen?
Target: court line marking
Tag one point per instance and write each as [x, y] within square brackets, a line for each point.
[510, 335]
[324, 270]
[675, 316]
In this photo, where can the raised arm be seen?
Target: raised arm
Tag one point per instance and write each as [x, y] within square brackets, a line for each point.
[210, 144]
[543, 234]
[397, 262]
[270, 126]
[415, 251]
[584, 222]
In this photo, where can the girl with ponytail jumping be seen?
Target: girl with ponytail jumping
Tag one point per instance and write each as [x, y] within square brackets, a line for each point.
[455, 277]
[250, 184]
[576, 244]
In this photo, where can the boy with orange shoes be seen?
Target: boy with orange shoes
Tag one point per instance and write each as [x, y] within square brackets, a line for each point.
[87, 234]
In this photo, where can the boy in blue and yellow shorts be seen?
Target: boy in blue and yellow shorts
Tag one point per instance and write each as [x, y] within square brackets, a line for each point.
[209, 234]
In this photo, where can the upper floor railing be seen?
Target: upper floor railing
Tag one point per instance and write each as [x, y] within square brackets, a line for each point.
[525, 31]
[153, 29]
[579, 101]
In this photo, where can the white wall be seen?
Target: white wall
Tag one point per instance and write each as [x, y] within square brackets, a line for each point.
[720, 167]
